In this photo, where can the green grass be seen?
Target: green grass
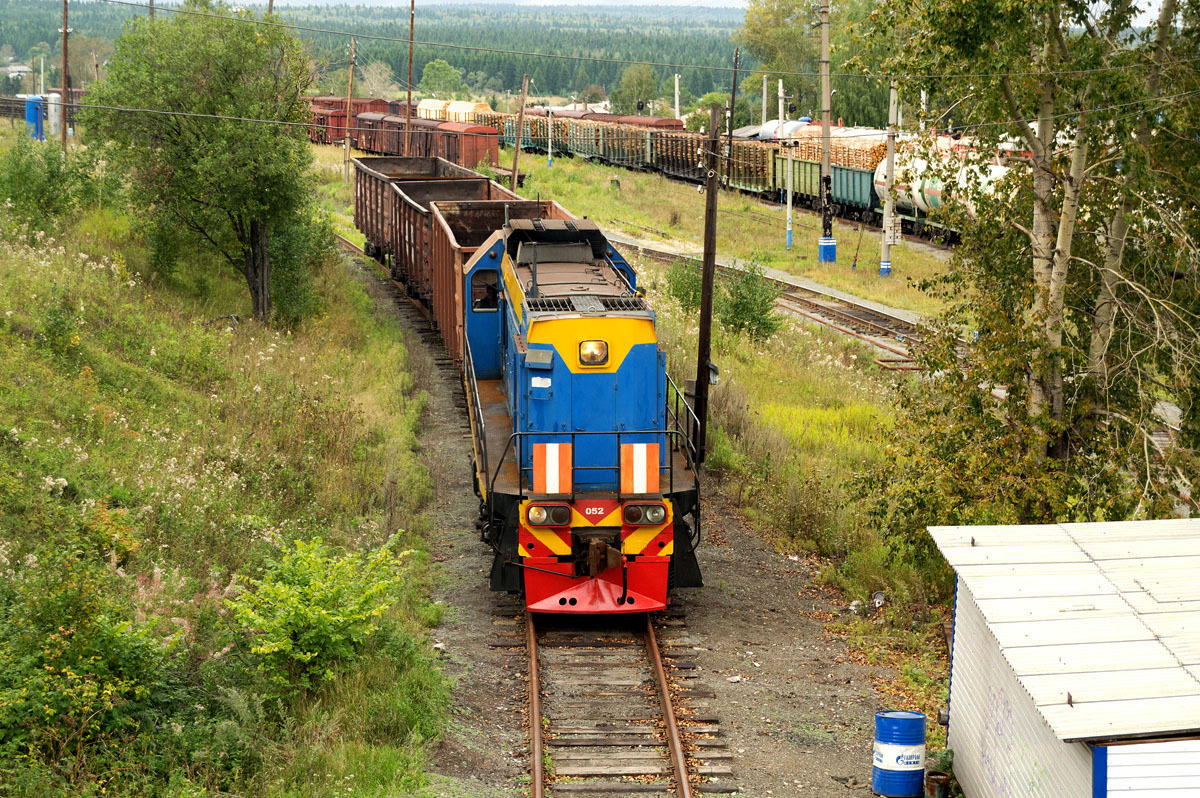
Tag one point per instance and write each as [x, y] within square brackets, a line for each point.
[747, 227]
[163, 452]
[793, 419]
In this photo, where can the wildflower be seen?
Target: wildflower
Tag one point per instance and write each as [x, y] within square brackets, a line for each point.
[153, 353]
[258, 389]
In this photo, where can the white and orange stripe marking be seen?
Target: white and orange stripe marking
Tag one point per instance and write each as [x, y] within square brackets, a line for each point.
[639, 468]
[552, 468]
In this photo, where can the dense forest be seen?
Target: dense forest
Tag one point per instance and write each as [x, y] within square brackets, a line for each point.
[506, 38]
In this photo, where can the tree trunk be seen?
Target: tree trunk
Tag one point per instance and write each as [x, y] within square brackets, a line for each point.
[258, 271]
[1043, 240]
[1058, 283]
[1106, 302]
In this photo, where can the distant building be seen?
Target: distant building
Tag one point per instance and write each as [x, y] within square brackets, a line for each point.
[1075, 664]
[17, 70]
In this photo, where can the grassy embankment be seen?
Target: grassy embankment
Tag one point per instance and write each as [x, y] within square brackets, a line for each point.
[747, 227]
[159, 631]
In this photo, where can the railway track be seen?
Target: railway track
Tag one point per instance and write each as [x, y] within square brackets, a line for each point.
[614, 710]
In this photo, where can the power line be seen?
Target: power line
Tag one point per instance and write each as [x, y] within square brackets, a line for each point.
[664, 65]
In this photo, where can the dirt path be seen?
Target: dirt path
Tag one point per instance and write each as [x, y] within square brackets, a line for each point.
[797, 712]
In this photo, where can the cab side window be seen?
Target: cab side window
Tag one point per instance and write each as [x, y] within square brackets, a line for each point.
[485, 294]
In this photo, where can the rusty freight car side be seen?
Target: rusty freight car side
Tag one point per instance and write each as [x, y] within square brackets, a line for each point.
[372, 197]
[411, 225]
[459, 228]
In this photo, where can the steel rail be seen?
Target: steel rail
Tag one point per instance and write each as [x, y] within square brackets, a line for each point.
[683, 788]
[536, 771]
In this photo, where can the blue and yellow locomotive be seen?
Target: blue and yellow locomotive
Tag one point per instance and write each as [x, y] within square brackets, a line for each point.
[583, 447]
[584, 461]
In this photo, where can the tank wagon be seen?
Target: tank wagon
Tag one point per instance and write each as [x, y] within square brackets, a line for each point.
[584, 462]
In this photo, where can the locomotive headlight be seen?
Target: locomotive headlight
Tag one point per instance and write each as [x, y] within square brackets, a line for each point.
[593, 353]
[549, 515]
[644, 514]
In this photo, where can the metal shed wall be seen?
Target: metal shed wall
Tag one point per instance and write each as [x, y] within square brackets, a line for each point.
[1002, 747]
[1153, 770]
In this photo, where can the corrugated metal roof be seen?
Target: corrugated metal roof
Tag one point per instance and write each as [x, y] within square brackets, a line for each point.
[1100, 622]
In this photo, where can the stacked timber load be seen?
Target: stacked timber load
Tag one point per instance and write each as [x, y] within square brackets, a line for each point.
[857, 147]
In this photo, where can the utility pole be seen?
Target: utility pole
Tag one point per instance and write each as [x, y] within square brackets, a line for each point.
[42, 85]
[520, 130]
[704, 347]
[270, 6]
[779, 130]
[737, 56]
[65, 82]
[762, 119]
[889, 203]
[826, 245]
[549, 138]
[924, 109]
[95, 65]
[789, 197]
[151, 9]
[677, 95]
[349, 118]
[412, 20]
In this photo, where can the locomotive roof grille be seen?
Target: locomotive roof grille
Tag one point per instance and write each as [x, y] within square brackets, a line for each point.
[586, 304]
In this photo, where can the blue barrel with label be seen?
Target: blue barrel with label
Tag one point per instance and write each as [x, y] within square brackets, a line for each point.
[34, 117]
[899, 767]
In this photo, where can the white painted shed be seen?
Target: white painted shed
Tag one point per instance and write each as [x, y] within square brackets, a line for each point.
[1075, 663]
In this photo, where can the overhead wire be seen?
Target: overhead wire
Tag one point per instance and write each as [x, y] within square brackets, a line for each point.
[626, 61]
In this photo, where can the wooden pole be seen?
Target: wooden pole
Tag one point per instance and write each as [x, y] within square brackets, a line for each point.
[704, 347]
[64, 81]
[520, 129]
[349, 118]
[151, 9]
[412, 21]
[737, 55]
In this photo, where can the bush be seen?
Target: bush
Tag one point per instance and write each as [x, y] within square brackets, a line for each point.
[296, 250]
[684, 282]
[40, 185]
[746, 304]
[76, 679]
[313, 611]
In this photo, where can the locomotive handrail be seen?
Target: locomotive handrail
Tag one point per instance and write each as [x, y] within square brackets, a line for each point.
[690, 453]
[476, 407]
[519, 437]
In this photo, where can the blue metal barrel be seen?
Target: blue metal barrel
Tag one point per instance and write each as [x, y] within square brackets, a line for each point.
[34, 117]
[899, 767]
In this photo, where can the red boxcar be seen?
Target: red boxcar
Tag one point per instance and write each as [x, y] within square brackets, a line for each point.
[469, 145]
[369, 131]
[329, 125]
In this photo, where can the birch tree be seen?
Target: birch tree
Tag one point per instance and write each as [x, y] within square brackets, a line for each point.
[1077, 276]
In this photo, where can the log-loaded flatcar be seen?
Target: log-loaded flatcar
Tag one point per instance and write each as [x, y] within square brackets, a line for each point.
[583, 447]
